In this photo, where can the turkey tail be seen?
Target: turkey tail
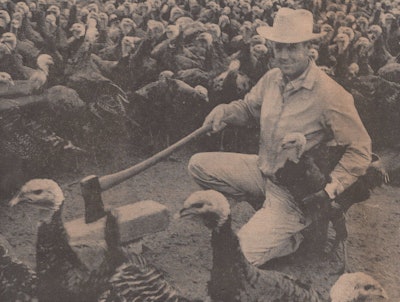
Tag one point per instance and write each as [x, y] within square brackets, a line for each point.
[361, 190]
[50, 139]
[121, 93]
[133, 282]
[299, 291]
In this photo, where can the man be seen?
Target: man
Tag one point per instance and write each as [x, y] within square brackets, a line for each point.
[295, 97]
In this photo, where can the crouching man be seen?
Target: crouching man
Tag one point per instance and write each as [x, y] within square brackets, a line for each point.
[294, 97]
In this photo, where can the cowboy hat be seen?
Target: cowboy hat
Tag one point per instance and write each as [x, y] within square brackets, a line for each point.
[290, 26]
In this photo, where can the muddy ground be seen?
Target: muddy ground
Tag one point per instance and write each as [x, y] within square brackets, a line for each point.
[183, 251]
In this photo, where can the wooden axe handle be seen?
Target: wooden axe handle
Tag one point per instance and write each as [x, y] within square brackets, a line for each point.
[111, 180]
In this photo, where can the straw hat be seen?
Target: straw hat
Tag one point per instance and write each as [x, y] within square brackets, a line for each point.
[290, 26]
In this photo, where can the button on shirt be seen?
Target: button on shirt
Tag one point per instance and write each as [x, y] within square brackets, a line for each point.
[314, 105]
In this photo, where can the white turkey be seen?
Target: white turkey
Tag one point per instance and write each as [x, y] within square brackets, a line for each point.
[233, 278]
[40, 75]
[60, 271]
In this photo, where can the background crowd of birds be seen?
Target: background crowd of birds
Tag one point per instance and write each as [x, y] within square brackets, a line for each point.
[154, 69]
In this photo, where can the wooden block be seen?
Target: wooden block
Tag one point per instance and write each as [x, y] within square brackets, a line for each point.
[78, 230]
[141, 218]
[135, 221]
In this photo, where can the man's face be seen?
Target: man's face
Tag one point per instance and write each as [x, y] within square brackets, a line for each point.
[291, 59]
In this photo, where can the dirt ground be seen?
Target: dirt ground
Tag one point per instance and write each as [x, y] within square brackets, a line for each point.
[183, 251]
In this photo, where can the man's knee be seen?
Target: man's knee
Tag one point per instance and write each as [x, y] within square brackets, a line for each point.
[195, 165]
[250, 249]
[194, 162]
[258, 250]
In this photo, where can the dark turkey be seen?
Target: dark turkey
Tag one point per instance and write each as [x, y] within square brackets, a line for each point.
[37, 131]
[106, 99]
[171, 108]
[61, 272]
[309, 172]
[378, 102]
[17, 280]
[233, 278]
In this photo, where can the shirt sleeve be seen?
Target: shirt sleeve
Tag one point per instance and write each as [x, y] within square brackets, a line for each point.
[241, 112]
[348, 130]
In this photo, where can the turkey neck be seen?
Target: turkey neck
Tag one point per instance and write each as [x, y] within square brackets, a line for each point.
[226, 247]
[230, 267]
[44, 68]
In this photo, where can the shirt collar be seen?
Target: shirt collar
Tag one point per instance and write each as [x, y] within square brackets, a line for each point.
[306, 79]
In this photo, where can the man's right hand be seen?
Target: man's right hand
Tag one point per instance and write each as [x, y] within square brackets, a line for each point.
[216, 118]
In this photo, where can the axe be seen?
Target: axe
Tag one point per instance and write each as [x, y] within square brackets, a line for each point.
[92, 186]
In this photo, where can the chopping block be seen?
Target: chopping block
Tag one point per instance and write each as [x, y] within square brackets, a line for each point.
[134, 222]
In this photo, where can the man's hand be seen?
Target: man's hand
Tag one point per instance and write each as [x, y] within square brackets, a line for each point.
[319, 201]
[215, 118]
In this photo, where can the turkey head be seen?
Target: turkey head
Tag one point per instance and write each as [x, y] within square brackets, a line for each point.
[9, 39]
[44, 62]
[357, 287]
[5, 78]
[210, 205]
[291, 149]
[42, 193]
[342, 42]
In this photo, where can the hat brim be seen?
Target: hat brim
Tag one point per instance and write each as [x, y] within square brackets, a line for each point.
[270, 33]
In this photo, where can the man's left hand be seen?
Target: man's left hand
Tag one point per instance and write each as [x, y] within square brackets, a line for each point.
[319, 201]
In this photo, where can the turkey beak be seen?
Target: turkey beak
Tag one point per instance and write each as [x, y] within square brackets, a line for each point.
[186, 212]
[15, 200]
[381, 293]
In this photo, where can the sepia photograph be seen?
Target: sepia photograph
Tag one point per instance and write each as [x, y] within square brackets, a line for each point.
[199, 150]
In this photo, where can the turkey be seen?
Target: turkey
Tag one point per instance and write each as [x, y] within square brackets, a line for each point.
[5, 79]
[231, 84]
[171, 107]
[11, 62]
[378, 102]
[356, 287]
[378, 55]
[105, 98]
[17, 280]
[36, 131]
[60, 271]
[233, 278]
[39, 76]
[390, 72]
[305, 173]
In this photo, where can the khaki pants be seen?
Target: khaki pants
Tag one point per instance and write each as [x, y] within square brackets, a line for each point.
[274, 230]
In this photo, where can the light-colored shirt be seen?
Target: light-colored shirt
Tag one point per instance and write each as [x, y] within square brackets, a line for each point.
[314, 105]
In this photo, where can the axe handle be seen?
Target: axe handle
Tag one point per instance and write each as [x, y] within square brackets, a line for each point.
[111, 180]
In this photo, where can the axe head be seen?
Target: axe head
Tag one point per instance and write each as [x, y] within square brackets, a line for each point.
[91, 192]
